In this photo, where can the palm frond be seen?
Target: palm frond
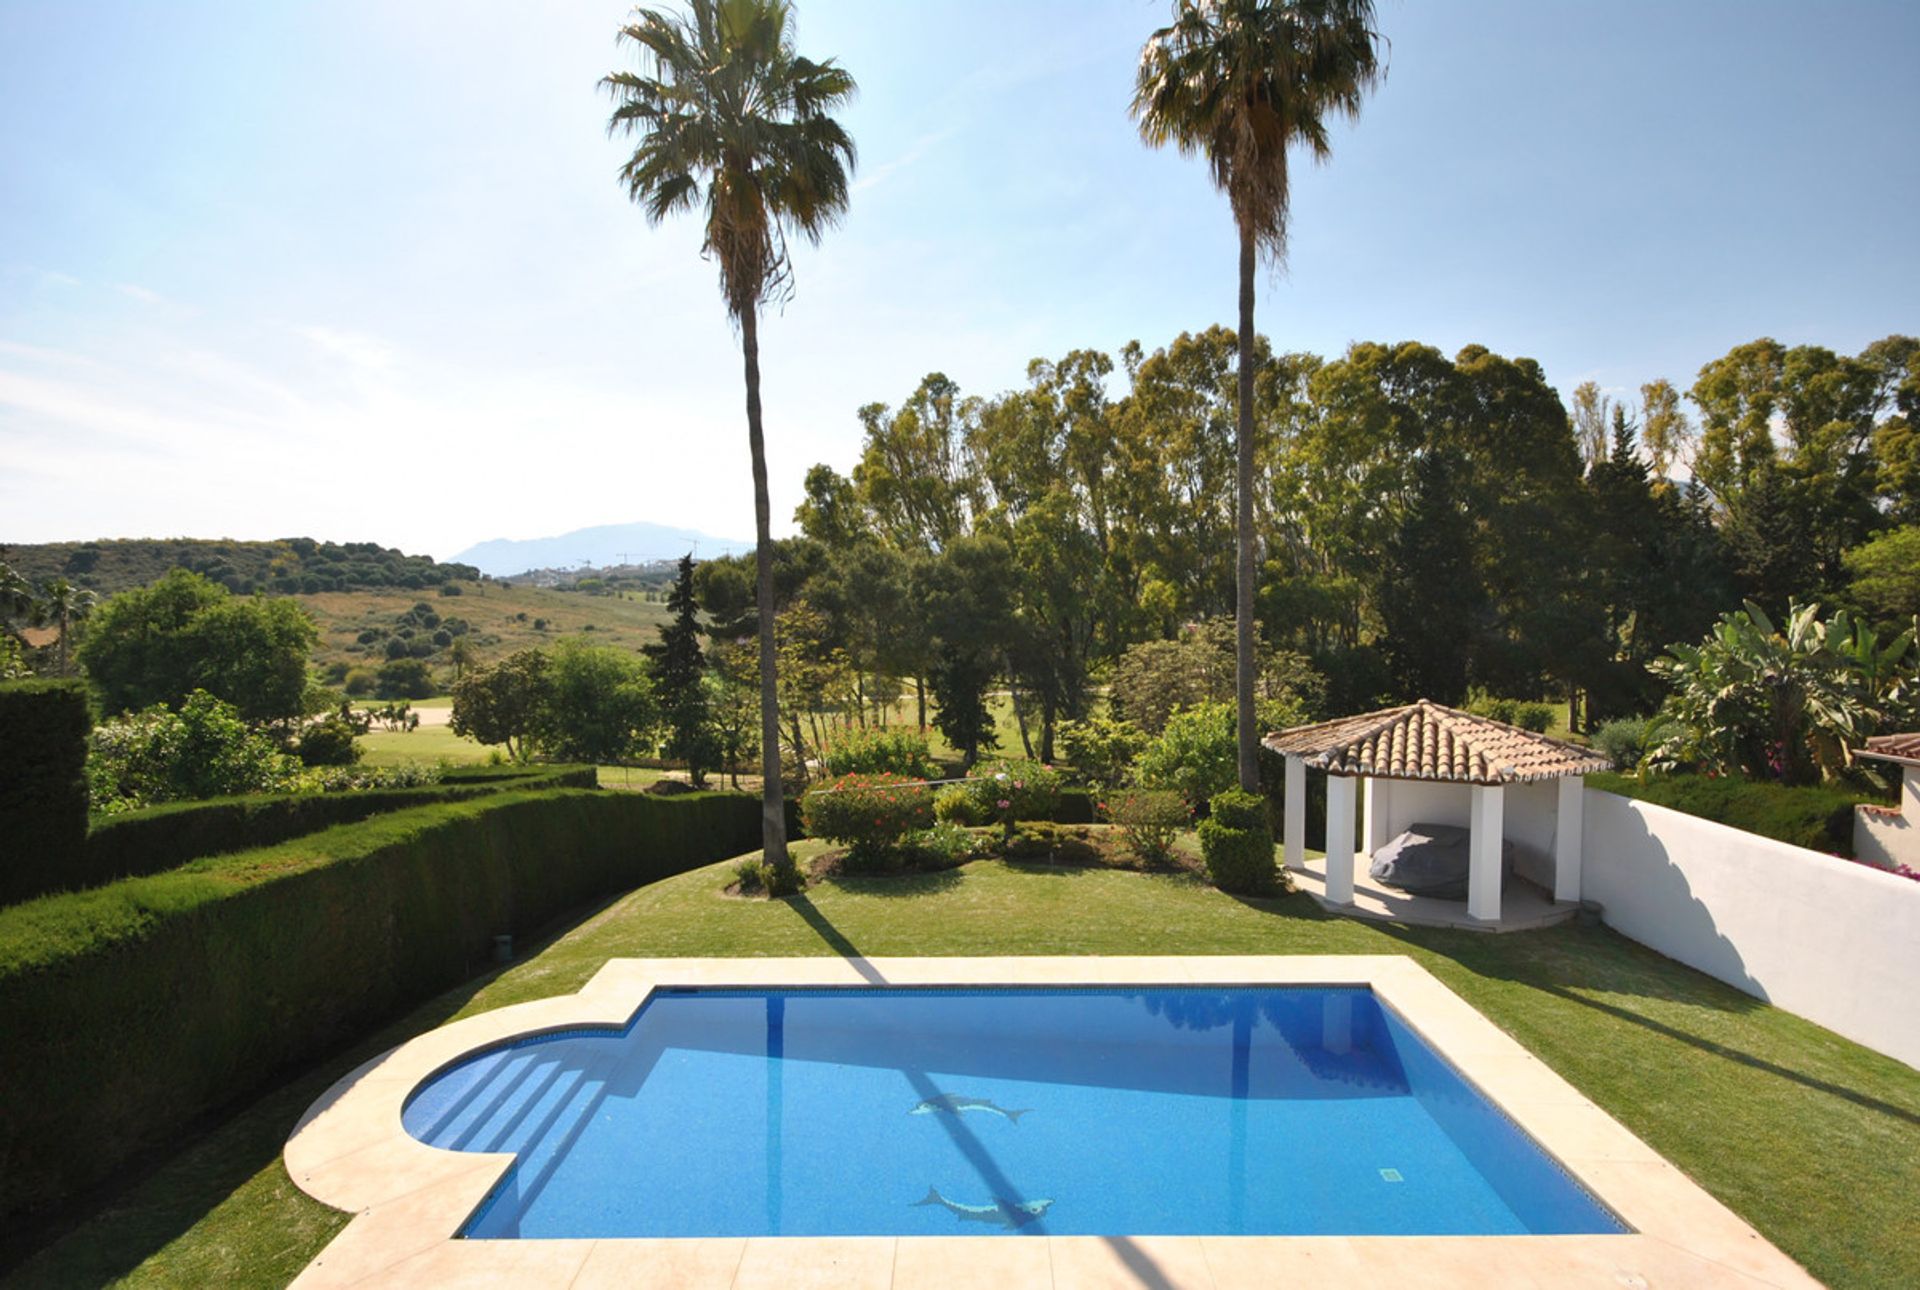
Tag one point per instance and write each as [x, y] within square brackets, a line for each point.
[1241, 82]
[724, 111]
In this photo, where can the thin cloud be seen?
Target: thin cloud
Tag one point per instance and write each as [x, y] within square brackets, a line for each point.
[355, 348]
[915, 151]
[135, 291]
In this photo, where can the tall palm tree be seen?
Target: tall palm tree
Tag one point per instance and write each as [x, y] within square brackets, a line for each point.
[65, 605]
[1242, 81]
[728, 116]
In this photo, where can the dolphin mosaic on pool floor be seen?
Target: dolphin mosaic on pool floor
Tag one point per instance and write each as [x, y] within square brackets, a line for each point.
[410, 1201]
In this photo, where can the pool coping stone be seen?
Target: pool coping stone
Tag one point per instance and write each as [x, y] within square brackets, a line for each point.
[409, 1201]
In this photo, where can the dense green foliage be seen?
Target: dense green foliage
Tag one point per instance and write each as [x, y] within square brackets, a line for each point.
[131, 1008]
[285, 567]
[158, 644]
[43, 787]
[870, 813]
[403, 678]
[1102, 749]
[1195, 755]
[1788, 704]
[1814, 816]
[574, 702]
[1155, 679]
[202, 749]
[598, 704]
[1433, 525]
[1237, 843]
[1537, 717]
[1883, 575]
[892, 750]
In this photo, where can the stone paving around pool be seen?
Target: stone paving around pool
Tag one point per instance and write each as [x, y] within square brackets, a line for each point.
[409, 1200]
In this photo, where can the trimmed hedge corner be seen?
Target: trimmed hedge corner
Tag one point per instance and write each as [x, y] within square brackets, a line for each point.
[43, 787]
[130, 1009]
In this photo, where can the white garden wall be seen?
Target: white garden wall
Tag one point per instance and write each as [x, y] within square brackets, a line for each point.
[1891, 838]
[1834, 941]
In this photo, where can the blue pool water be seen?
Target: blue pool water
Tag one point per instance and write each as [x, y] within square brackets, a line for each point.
[901, 1112]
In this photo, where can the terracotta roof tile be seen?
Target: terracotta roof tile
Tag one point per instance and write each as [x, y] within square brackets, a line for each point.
[1430, 741]
[1905, 747]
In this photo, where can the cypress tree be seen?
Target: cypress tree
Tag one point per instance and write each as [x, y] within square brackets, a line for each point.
[679, 674]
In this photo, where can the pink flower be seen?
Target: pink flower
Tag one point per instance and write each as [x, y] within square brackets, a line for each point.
[1003, 803]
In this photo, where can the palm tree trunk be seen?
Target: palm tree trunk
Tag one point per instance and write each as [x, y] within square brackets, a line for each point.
[1243, 528]
[773, 815]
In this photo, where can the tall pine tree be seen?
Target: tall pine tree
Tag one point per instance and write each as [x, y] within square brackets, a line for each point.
[680, 677]
[1431, 597]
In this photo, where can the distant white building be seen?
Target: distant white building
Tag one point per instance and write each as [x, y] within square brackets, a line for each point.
[1890, 836]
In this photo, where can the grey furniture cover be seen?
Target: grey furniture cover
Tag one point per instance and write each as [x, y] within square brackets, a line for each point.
[1429, 860]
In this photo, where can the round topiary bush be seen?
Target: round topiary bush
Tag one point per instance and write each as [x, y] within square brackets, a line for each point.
[1237, 843]
[869, 813]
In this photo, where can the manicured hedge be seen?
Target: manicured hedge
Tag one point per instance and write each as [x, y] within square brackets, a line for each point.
[1813, 816]
[1074, 806]
[43, 787]
[130, 1009]
[165, 837]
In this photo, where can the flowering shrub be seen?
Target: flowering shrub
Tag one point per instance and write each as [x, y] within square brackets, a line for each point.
[1010, 791]
[1148, 819]
[870, 813]
[876, 752]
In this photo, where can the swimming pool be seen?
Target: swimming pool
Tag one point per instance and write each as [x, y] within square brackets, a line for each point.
[996, 1111]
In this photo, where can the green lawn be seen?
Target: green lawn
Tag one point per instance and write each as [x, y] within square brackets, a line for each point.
[1813, 1139]
[429, 743]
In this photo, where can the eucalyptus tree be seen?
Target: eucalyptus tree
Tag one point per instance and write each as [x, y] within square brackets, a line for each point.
[730, 117]
[1243, 82]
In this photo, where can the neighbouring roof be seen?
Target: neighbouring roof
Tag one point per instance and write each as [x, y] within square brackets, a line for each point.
[1901, 748]
[1426, 740]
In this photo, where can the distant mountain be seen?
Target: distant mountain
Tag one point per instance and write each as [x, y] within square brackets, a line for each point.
[603, 544]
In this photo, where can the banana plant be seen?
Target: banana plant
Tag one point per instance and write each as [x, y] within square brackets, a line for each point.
[1788, 703]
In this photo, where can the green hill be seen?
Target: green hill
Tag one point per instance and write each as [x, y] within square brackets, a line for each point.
[285, 566]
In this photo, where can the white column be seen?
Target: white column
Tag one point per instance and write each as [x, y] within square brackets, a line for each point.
[1340, 839]
[1293, 828]
[1379, 803]
[1484, 836]
[1568, 821]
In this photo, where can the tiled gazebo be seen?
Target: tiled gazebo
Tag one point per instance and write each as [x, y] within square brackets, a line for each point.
[1399, 756]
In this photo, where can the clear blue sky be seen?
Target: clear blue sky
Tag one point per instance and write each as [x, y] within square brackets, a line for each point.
[360, 269]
